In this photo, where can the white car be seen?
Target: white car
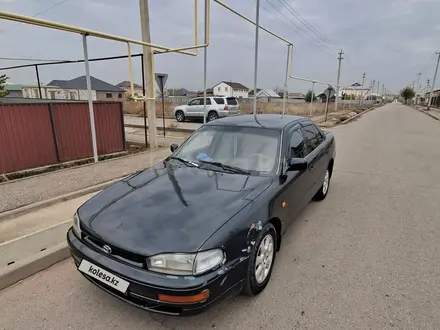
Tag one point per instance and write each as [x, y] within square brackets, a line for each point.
[216, 107]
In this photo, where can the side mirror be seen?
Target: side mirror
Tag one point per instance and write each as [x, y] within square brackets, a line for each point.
[297, 164]
[173, 147]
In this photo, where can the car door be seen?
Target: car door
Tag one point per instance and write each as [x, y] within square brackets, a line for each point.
[192, 109]
[315, 156]
[201, 108]
[294, 185]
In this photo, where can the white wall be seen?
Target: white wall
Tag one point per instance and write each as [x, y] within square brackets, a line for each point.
[226, 90]
[57, 93]
[240, 93]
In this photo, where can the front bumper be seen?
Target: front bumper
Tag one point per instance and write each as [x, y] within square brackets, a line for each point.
[145, 286]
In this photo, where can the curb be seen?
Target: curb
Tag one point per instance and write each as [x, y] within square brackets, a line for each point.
[38, 205]
[171, 129]
[27, 267]
[358, 115]
[427, 113]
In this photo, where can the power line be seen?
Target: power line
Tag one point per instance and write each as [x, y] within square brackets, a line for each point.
[307, 24]
[28, 59]
[295, 24]
[50, 8]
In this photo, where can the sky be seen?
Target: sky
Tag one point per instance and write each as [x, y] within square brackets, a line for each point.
[390, 40]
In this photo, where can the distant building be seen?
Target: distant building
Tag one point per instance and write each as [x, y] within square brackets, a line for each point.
[296, 96]
[355, 91]
[264, 93]
[103, 90]
[14, 90]
[125, 85]
[229, 88]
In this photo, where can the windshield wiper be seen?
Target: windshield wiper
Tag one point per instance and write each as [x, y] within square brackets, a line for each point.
[186, 162]
[226, 167]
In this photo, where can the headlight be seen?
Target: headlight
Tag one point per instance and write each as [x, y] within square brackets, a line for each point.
[185, 264]
[76, 226]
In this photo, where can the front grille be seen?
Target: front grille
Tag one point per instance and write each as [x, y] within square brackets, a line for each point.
[132, 258]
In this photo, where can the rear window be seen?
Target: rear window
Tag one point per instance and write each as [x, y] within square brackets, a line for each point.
[219, 100]
[231, 100]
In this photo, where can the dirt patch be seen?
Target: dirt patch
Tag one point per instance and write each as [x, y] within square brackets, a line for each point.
[129, 149]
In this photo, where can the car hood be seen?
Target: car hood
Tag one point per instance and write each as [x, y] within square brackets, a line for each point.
[168, 208]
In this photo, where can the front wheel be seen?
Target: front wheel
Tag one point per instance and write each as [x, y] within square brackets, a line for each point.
[261, 261]
[322, 192]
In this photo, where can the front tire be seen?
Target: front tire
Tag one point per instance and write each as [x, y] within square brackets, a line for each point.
[322, 192]
[180, 116]
[261, 261]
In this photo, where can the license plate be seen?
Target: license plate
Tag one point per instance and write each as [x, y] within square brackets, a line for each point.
[103, 276]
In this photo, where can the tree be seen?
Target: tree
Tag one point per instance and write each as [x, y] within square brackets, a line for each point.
[308, 97]
[279, 91]
[3, 91]
[407, 93]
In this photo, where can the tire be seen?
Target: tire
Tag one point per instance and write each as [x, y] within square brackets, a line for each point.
[323, 190]
[212, 116]
[180, 116]
[254, 284]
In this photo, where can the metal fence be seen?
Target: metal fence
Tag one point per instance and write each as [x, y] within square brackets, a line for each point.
[33, 135]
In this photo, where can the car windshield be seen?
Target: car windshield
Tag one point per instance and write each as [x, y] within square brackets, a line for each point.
[247, 148]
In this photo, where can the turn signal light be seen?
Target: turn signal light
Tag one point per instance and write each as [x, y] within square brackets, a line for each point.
[200, 297]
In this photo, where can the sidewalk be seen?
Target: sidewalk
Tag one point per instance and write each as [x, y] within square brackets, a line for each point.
[22, 192]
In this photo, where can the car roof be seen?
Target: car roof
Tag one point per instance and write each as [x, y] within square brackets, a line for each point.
[271, 121]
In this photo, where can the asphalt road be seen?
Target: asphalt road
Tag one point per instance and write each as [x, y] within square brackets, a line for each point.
[368, 257]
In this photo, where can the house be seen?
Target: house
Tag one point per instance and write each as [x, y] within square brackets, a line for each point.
[231, 89]
[323, 98]
[264, 93]
[296, 96]
[173, 92]
[14, 90]
[125, 85]
[435, 102]
[355, 91]
[104, 91]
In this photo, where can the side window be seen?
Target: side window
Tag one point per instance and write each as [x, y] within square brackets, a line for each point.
[208, 101]
[219, 100]
[313, 137]
[297, 147]
[194, 102]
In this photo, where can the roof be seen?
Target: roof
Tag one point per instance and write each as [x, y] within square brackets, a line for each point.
[356, 84]
[126, 84]
[13, 87]
[267, 92]
[271, 121]
[80, 83]
[233, 85]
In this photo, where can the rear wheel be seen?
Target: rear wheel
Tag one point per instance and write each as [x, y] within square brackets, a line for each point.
[212, 116]
[180, 116]
[261, 261]
[322, 192]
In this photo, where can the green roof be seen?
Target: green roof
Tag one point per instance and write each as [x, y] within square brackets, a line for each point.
[13, 87]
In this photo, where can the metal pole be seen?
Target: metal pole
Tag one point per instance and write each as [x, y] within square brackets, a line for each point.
[361, 101]
[89, 97]
[38, 82]
[257, 28]
[285, 81]
[144, 91]
[163, 105]
[311, 100]
[205, 63]
[326, 107]
[433, 81]
[337, 82]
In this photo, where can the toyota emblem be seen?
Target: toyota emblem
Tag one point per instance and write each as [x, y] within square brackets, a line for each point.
[107, 249]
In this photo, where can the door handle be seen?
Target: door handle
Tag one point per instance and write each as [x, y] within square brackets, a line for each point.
[311, 168]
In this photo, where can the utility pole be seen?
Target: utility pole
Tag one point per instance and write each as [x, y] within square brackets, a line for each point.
[148, 60]
[362, 90]
[418, 89]
[337, 82]
[377, 93]
[383, 88]
[433, 80]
